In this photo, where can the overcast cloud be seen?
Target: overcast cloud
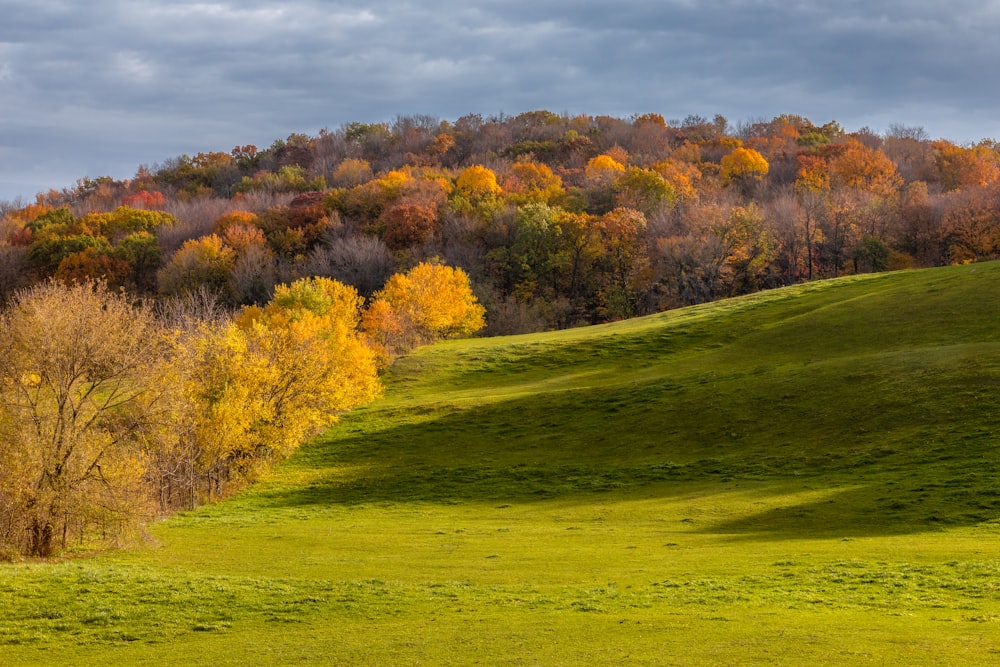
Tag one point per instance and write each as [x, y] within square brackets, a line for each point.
[99, 87]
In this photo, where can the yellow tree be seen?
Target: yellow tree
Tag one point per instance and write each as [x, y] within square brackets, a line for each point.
[476, 191]
[429, 302]
[602, 170]
[75, 364]
[255, 388]
[744, 168]
[301, 363]
[532, 182]
[204, 262]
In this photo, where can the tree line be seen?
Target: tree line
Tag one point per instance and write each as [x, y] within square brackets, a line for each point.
[559, 220]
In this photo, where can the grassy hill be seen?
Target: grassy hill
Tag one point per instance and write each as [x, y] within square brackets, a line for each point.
[805, 475]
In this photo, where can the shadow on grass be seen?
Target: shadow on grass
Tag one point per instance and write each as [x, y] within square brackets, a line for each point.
[872, 509]
[584, 448]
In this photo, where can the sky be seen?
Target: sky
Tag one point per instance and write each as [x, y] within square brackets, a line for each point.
[98, 88]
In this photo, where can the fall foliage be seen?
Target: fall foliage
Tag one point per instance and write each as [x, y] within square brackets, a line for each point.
[427, 303]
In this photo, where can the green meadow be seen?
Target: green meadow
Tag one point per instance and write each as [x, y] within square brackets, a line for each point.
[809, 475]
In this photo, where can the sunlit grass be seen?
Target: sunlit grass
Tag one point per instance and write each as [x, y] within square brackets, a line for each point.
[803, 476]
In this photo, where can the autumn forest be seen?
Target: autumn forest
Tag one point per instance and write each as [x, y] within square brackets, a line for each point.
[168, 336]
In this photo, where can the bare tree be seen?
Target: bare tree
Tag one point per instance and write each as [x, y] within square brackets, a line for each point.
[361, 261]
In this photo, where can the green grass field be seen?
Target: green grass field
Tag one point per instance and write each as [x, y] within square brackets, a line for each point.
[804, 476]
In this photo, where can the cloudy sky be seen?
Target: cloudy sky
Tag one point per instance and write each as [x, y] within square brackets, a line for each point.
[99, 87]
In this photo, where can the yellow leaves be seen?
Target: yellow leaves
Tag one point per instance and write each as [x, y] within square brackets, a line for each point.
[603, 169]
[476, 191]
[429, 302]
[74, 371]
[477, 183]
[205, 261]
[276, 374]
[743, 163]
[351, 172]
[534, 182]
[680, 176]
[394, 181]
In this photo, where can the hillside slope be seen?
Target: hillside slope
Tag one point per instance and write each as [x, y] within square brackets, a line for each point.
[801, 475]
[860, 379]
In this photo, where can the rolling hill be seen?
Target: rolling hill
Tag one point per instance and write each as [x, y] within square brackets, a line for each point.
[803, 475]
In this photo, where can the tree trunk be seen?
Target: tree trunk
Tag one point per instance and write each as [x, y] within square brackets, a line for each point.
[41, 538]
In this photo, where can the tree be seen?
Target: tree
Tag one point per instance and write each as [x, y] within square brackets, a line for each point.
[91, 265]
[744, 168]
[477, 190]
[75, 364]
[304, 363]
[751, 248]
[534, 182]
[854, 165]
[965, 167]
[124, 221]
[644, 190]
[351, 172]
[529, 255]
[624, 262]
[364, 262]
[251, 390]
[429, 302]
[971, 227]
[199, 262]
[407, 225]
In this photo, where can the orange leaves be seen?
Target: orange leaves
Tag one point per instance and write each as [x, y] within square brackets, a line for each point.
[965, 167]
[244, 218]
[407, 225]
[145, 199]
[857, 166]
[813, 174]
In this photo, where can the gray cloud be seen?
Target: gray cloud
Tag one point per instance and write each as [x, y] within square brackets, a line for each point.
[98, 88]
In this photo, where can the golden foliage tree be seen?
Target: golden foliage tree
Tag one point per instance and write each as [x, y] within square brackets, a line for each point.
[743, 167]
[429, 302]
[203, 262]
[476, 191]
[603, 170]
[279, 373]
[75, 362]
